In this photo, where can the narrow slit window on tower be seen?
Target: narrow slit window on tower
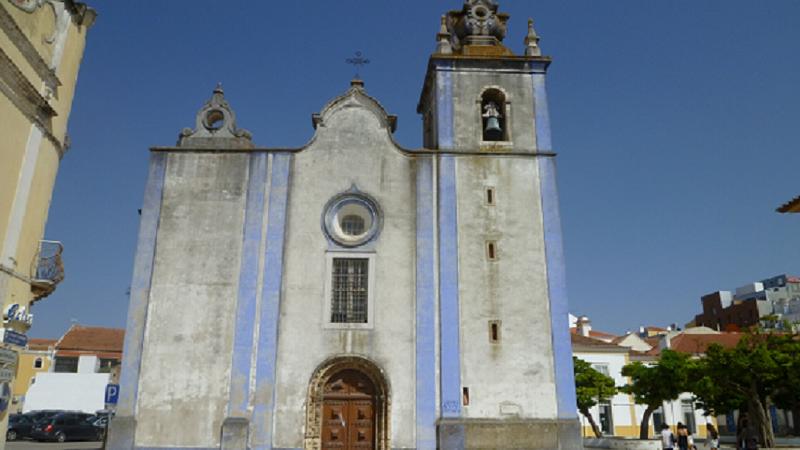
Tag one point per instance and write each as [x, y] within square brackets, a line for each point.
[493, 114]
[494, 331]
[465, 396]
[490, 196]
[491, 250]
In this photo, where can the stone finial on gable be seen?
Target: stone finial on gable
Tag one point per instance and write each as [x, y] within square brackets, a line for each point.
[215, 126]
[532, 41]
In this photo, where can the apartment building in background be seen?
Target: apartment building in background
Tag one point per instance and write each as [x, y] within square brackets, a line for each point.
[771, 303]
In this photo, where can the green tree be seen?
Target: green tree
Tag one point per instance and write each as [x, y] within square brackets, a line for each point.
[653, 384]
[761, 368]
[787, 391]
[592, 387]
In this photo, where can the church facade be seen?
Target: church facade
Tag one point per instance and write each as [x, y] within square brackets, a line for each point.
[353, 294]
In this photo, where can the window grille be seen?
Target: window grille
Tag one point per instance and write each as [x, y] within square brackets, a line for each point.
[349, 290]
[353, 225]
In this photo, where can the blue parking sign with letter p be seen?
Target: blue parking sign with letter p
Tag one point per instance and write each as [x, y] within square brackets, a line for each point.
[112, 394]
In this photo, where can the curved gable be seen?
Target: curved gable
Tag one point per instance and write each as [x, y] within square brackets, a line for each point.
[355, 97]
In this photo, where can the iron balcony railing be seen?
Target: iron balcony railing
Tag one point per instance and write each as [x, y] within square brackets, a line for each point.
[48, 269]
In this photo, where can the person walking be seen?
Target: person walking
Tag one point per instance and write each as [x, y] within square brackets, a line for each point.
[712, 436]
[667, 438]
[683, 437]
[746, 436]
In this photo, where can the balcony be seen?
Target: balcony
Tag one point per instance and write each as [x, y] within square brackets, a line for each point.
[47, 270]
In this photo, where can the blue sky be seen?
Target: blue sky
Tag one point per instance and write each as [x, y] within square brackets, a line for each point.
[676, 123]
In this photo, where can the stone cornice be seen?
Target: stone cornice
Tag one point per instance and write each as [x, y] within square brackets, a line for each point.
[27, 99]
[24, 45]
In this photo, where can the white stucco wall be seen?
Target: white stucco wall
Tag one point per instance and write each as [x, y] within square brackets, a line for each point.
[349, 149]
[512, 289]
[185, 369]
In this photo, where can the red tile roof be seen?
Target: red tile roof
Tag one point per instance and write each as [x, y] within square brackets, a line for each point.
[40, 344]
[588, 343]
[595, 334]
[699, 343]
[91, 340]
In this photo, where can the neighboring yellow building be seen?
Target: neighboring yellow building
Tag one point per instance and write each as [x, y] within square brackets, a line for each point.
[41, 46]
[37, 357]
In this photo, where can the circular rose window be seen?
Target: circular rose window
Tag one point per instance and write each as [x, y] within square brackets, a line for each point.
[351, 219]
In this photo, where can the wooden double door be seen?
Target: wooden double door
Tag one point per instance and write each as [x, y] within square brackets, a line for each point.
[348, 412]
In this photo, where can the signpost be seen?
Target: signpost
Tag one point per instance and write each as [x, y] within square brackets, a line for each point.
[112, 394]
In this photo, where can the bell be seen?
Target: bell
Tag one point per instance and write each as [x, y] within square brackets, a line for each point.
[493, 130]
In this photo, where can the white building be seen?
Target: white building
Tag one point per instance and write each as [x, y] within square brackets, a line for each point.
[86, 361]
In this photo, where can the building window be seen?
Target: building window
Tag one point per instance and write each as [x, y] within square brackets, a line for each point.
[350, 290]
[66, 365]
[606, 418]
[602, 368]
[352, 219]
[494, 331]
[687, 408]
[490, 197]
[352, 225]
[38, 363]
[658, 418]
[491, 250]
[107, 365]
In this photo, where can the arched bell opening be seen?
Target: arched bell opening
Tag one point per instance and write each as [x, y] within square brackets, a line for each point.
[348, 405]
[494, 114]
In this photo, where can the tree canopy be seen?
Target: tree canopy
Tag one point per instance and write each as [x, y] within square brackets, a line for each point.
[761, 369]
[653, 384]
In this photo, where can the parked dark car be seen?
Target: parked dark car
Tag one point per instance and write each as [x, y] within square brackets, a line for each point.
[19, 426]
[36, 416]
[69, 426]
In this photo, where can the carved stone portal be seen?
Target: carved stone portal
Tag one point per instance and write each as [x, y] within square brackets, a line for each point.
[316, 398]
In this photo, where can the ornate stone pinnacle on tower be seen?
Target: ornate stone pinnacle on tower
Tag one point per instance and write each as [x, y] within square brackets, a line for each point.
[444, 47]
[215, 120]
[532, 41]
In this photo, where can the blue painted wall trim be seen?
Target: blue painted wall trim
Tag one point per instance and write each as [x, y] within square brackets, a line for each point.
[554, 254]
[425, 308]
[450, 351]
[248, 287]
[140, 294]
[449, 317]
[263, 410]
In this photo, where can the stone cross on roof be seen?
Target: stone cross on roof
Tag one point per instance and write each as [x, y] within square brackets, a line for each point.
[358, 61]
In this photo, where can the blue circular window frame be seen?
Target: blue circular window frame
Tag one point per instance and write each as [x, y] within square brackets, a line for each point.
[331, 211]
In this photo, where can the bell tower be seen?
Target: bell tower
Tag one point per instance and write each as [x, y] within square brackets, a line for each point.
[504, 375]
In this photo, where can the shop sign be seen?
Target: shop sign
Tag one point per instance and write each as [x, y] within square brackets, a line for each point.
[16, 314]
[15, 338]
